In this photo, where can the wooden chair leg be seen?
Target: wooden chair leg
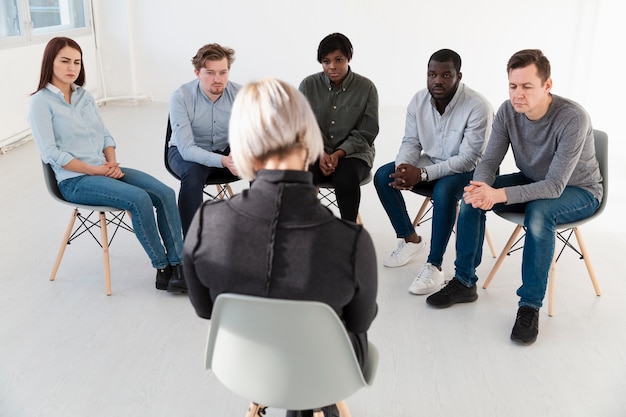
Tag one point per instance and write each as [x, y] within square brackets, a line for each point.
[490, 242]
[551, 282]
[343, 409]
[64, 243]
[255, 410]
[585, 254]
[220, 195]
[105, 251]
[229, 190]
[503, 254]
[418, 217]
[590, 270]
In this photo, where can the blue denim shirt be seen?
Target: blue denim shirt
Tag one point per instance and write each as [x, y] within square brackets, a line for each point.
[199, 126]
[64, 131]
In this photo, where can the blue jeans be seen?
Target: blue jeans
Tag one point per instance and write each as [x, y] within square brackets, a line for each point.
[446, 192]
[542, 217]
[193, 177]
[136, 192]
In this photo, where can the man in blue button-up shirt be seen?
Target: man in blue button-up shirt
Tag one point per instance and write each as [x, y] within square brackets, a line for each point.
[199, 115]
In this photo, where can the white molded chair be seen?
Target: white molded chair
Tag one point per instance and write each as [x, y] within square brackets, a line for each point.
[288, 354]
[86, 224]
[564, 231]
[326, 195]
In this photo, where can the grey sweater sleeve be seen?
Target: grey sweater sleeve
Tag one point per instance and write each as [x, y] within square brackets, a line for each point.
[553, 151]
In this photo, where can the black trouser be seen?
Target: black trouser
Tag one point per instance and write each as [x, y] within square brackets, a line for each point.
[347, 182]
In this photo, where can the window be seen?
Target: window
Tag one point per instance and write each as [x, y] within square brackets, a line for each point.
[23, 21]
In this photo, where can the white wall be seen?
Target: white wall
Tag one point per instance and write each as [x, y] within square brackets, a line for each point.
[146, 46]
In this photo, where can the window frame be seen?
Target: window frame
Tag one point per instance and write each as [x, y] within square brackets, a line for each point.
[30, 35]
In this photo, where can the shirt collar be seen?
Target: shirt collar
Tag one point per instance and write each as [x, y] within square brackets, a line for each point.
[57, 90]
[344, 84]
[457, 96]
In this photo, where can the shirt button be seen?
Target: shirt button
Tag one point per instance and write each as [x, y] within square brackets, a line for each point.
[332, 122]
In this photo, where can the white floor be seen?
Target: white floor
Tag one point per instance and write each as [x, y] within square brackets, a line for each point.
[68, 350]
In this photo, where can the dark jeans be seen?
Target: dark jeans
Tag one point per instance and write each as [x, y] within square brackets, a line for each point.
[541, 218]
[347, 182]
[193, 177]
[446, 193]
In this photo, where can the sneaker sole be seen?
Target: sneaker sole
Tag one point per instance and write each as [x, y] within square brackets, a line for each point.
[521, 341]
[436, 287]
[174, 289]
[464, 300]
[385, 264]
[425, 291]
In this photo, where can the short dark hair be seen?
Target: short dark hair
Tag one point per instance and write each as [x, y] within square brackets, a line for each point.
[526, 57]
[334, 41]
[50, 53]
[212, 52]
[445, 55]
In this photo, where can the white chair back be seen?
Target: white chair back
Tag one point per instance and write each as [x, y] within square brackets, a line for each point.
[287, 354]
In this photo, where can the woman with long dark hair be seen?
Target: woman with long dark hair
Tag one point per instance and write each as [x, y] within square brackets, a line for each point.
[72, 138]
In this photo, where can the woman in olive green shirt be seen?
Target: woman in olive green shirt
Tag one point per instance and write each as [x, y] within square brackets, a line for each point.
[346, 107]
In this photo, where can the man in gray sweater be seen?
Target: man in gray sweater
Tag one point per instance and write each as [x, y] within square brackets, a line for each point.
[559, 182]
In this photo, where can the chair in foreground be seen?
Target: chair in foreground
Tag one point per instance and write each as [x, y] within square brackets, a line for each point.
[326, 195]
[86, 224]
[564, 231]
[221, 181]
[288, 354]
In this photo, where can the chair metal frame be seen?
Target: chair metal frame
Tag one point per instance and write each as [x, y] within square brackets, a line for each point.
[426, 208]
[221, 181]
[564, 231]
[86, 224]
[288, 354]
[326, 195]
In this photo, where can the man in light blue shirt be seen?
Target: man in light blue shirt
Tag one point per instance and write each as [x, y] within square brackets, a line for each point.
[447, 125]
[199, 115]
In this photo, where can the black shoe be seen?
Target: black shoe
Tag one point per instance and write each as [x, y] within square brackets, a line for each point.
[163, 278]
[526, 326]
[328, 411]
[177, 283]
[453, 293]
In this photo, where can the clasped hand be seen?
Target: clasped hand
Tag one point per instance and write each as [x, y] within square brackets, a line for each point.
[227, 162]
[328, 163]
[111, 170]
[405, 177]
[480, 195]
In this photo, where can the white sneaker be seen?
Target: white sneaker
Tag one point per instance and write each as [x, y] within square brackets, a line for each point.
[428, 280]
[403, 253]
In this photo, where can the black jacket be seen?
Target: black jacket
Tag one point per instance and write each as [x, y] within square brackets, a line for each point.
[277, 240]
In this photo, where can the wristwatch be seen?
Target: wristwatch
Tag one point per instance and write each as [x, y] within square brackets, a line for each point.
[424, 174]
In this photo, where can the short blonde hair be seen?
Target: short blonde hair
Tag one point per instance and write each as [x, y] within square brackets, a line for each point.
[271, 117]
